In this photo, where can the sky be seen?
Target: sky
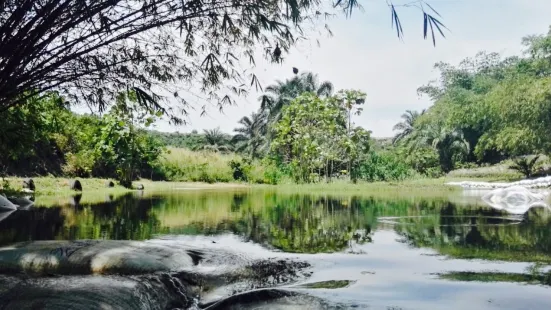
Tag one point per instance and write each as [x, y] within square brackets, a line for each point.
[364, 53]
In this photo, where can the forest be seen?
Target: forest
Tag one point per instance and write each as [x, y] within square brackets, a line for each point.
[487, 109]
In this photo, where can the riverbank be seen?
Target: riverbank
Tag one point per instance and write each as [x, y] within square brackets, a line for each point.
[59, 187]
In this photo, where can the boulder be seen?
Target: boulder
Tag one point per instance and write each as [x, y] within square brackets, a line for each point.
[75, 185]
[140, 187]
[6, 205]
[28, 183]
[24, 203]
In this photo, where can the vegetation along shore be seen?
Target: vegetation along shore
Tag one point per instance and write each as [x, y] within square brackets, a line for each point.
[302, 134]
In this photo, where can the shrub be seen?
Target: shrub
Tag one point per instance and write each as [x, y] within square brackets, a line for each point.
[383, 167]
[80, 164]
[240, 170]
[526, 165]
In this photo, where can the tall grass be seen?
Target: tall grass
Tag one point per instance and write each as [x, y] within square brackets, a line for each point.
[183, 165]
[204, 166]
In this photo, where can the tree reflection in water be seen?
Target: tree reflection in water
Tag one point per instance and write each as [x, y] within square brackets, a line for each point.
[293, 223]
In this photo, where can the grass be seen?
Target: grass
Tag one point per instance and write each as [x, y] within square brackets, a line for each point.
[93, 187]
[499, 172]
[56, 191]
[203, 166]
[60, 186]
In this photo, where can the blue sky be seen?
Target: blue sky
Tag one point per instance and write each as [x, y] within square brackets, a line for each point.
[365, 54]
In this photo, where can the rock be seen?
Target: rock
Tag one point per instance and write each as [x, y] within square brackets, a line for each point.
[75, 185]
[6, 205]
[140, 187]
[109, 184]
[24, 203]
[28, 183]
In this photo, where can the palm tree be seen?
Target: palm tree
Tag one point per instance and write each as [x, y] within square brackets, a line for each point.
[447, 143]
[215, 140]
[281, 93]
[250, 136]
[406, 127]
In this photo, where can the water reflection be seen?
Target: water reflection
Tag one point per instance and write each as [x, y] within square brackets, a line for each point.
[126, 218]
[294, 223]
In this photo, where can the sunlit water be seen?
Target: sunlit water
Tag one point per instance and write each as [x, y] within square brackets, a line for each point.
[363, 252]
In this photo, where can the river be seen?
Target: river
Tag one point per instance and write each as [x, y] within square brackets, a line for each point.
[258, 249]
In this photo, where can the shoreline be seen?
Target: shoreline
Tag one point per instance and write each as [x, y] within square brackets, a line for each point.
[59, 186]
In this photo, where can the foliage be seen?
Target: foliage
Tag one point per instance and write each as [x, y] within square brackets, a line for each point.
[407, 126]
[200, 166]
[383, 167]
[280, 94]
[486, 109]
[28, 136]
[251, 136]
[89, 51]
[53, 140]
[216, 141]
[309, 136]
[525, 165]
[240, 170]
[192, 141]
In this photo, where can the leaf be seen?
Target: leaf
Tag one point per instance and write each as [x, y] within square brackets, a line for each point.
[433, 9]
[396, 22]
[425, 22]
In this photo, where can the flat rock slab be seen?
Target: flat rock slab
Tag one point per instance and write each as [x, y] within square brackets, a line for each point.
[92, 257]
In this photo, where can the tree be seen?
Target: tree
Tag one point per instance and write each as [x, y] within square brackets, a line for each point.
[121, 146]
[448, 143]
[250, 136]
[405, 128]
[90, 50]
[216, 140]
[308, 135]
[349, 100]
[281, 93]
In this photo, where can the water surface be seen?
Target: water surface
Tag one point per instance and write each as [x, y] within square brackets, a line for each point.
[365, 252]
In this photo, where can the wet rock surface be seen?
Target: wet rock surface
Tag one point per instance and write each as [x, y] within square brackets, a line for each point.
[92, 274]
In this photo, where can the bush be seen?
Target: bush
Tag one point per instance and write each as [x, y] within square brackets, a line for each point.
[272, 174]
[240, 170]
[383, 167]
[79, 165]
[526, 165]
[189, 166]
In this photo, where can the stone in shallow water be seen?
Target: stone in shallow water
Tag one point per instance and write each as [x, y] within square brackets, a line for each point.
[6, 205]
[273, 299]
[94, 292]
[92, 257]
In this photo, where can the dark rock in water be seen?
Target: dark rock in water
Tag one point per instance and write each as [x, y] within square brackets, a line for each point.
[140, 187]
[75, 185]
[24, 203]
[109, 184]
[112, 274]
[95, 292]
[28, 183]
[85, 257]
[270, 299]
[6, 205]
